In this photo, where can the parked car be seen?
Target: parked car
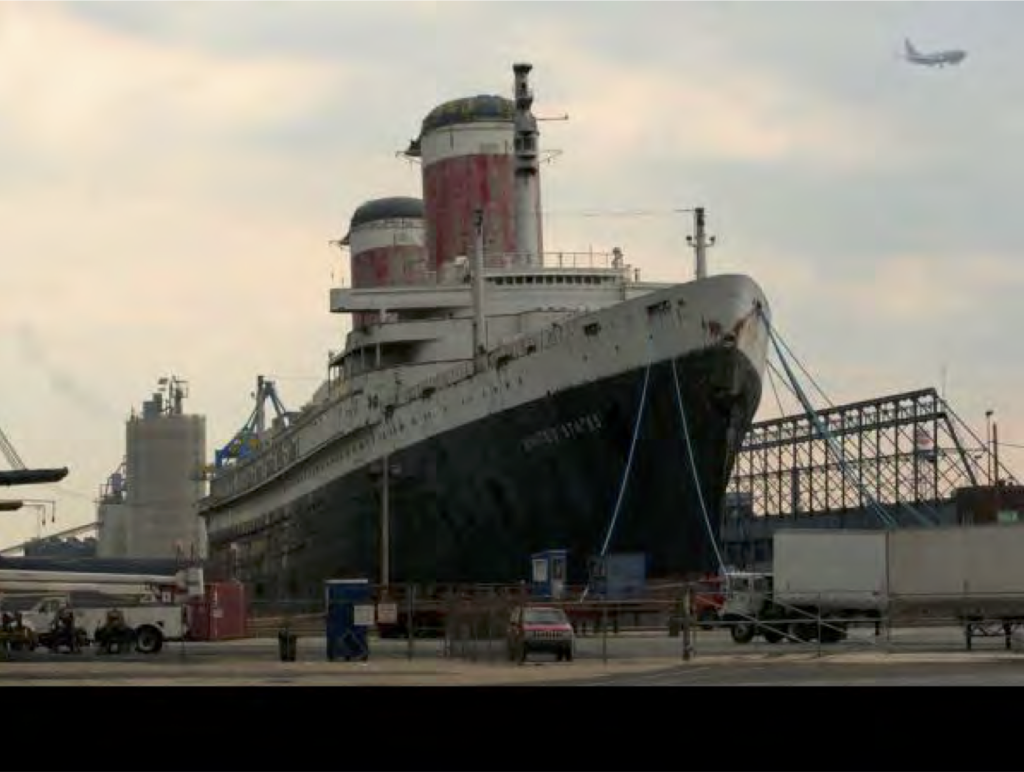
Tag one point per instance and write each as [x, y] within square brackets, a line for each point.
[540, 628]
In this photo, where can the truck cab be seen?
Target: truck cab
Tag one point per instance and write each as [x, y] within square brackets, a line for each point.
[40, 616]
[747, 595]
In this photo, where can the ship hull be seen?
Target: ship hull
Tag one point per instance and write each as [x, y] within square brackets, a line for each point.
[473, 503]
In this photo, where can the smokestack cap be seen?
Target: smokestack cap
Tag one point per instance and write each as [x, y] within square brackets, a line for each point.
[394, 208]
[484, 108]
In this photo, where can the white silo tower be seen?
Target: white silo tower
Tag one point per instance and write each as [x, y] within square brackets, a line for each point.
[165, 452]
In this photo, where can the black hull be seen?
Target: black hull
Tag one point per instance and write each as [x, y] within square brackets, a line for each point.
[473, 504]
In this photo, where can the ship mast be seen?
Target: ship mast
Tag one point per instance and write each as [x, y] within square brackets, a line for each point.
[700, 242]
[479, 317]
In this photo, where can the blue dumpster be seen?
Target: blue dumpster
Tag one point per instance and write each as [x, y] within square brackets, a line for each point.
[349, 616]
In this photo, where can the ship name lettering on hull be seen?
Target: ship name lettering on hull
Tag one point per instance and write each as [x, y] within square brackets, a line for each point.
[567, 430]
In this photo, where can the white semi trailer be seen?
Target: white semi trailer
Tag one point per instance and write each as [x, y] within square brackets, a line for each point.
[823, 581]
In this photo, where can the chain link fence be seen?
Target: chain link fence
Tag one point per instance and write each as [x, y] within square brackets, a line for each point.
[472, 622]
[674, 622]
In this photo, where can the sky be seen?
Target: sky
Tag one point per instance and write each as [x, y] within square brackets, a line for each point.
[171, 175]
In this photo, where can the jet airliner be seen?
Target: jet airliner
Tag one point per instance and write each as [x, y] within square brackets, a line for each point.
[935, 59]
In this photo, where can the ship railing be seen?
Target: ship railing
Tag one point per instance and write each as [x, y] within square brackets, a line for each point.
[453, 272]
[589, 261]
[413, 276]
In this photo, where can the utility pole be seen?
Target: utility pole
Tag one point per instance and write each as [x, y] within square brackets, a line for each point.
[995, 468]
[385, 527]
[988, 446]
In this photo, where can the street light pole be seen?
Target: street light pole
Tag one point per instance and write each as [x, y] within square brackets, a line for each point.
[988, 446]
[385, 527]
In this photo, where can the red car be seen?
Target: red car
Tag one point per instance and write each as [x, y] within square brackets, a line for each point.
[540, 628]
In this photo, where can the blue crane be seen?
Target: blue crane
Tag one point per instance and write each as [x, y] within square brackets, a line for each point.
[247, 440]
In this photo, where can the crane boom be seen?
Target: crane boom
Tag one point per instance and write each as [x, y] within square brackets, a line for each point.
[33, 476]
[248, 438]
[10, 453]
[20, 474]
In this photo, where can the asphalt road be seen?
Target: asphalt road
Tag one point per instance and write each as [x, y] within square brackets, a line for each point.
[907, 657]
[778, 672]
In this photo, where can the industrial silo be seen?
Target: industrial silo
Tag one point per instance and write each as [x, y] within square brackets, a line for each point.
[164, 459]
[466, 151]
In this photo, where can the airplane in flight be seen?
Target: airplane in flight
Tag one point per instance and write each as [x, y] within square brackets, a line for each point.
[935, 59]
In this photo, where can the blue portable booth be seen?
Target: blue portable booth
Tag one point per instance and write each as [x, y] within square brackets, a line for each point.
[548, 572]
[350, 614]
[619, 576]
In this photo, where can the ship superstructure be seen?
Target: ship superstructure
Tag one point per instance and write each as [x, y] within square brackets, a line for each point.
[492, 400]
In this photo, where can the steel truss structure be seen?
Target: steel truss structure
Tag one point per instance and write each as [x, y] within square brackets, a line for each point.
[900, 449]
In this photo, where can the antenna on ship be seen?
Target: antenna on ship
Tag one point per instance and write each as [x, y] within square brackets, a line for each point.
[479, 318]
[700, 242]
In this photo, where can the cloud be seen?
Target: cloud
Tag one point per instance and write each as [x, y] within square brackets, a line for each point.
[69, 89]
[702, 107]
[915, 290]
[623, 95]
[173, 171]
[145, 231]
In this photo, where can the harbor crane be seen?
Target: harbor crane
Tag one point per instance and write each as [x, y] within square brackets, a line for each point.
[248, 438]
[19, 474]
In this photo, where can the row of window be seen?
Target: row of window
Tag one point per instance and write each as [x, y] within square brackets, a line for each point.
[557, 279]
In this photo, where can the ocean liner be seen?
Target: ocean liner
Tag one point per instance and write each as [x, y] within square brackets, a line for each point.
[491, 400]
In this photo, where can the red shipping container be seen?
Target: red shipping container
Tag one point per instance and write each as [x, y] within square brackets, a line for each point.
[220, 615]
[228, 615]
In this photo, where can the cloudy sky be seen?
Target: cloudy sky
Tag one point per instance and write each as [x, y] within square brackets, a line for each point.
[172, 173]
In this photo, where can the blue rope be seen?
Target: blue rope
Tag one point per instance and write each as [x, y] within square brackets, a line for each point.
[830, 441]
[625, 473]
[629, 462]
[693, 470]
